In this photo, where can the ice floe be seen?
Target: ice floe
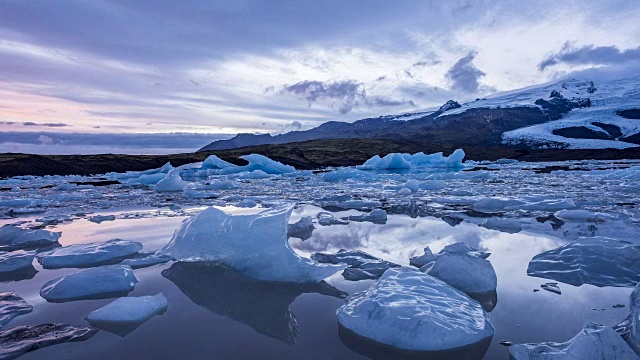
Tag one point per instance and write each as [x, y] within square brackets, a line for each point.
[397, 161]
[16, 260]
[126, 314]
[88, 255]
[12, 306]
[327, 219]
[95, 283]
[597, 261]
[410, 310]
[361, 266]
[20, 340]
[594, 342]
[13, 238]
[393, 161]
[467, 273]
[254, 244]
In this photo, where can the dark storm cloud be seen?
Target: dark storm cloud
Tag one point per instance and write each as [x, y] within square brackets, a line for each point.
[591, 55]
[464, 75]
[348, 92]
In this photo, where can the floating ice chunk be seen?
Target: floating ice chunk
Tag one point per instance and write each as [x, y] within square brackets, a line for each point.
[20, 340]
[432, 185]
[393, 161]
[95, 283]
[255, 174]
[593, 342]
[410, 310]
[597, 261]
[65, 187]
[141, 260]
[164, 169]
[100, 218]
[16, 260]
[455, 160]
[551, 287]
[262, 163]
[467, 273]
[246, 203]
[302, 229]
[404, 191]
[171, 183]
[254, 244]
[491, 205]
[125, 314]
[215, 163]
[510, 226]
[548, 205]
[12, 306]
[54, 219]
[422, 260]
[463, 248]
[87, 255]
[327, 219]
[16, 189]
[222, 185]
[376, 216]
[361, 265]
[348, 174]
[146, 179]
[580, 215]
[13, 237]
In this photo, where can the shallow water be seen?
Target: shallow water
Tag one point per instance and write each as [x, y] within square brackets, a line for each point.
[218, 313]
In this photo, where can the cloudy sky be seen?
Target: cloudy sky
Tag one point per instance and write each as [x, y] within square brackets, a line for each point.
[223, 67]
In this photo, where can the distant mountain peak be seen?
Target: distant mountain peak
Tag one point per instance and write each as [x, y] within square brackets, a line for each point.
[449, 105]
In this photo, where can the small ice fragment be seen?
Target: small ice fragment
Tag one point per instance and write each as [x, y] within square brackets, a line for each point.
[552, 287]
[424, 259]
[362, 266]
[100, 218]
[376, 216]
[327, 219]
[95, 283]
[172, 182]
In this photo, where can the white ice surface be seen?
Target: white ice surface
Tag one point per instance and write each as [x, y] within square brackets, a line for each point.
[86, 255]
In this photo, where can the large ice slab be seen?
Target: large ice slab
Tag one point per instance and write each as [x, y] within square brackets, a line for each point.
[259, 162]
[410, 310]
[14, 238]
[361, 265]
[88, 255]
[254, 244]
[95, 283]
[597, 261]
[20, 340]
[594, 342]
[16, 260]
[12, 306]
[261, 305]
[470, 274]
[126, 314]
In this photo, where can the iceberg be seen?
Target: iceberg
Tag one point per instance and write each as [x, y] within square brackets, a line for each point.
[255, 174]
[302, 230]
[88, 255]
[253, 244]
[409, 310]
[126, 314]
[361, 266]
[593, 342]
[15, 238]
[259, 162]
[12, 306]
[95, 283]
[597, 261]
[171, 183]
[20, 340]
[16, 260]
[393, 161]
[215, 163]
[376, 216]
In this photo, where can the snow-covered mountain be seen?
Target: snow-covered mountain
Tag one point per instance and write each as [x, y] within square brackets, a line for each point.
[572, 113]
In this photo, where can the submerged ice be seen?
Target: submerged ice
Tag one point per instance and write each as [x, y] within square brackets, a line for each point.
[253, 244]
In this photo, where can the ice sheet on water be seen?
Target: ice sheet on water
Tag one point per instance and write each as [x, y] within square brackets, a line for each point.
[12, 306]
[253, 244]
[14, 237]
[20, 340]
[88, 255]
[410, 310]
[597, 261]
[361, 266]
[95, 283]
[126, 314]
[593, 342]
[327, 219]
[16, 260]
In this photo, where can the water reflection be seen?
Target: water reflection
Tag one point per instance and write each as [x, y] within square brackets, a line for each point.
[488, 300]
[262, 305]
[378, 351]
[26, 273]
